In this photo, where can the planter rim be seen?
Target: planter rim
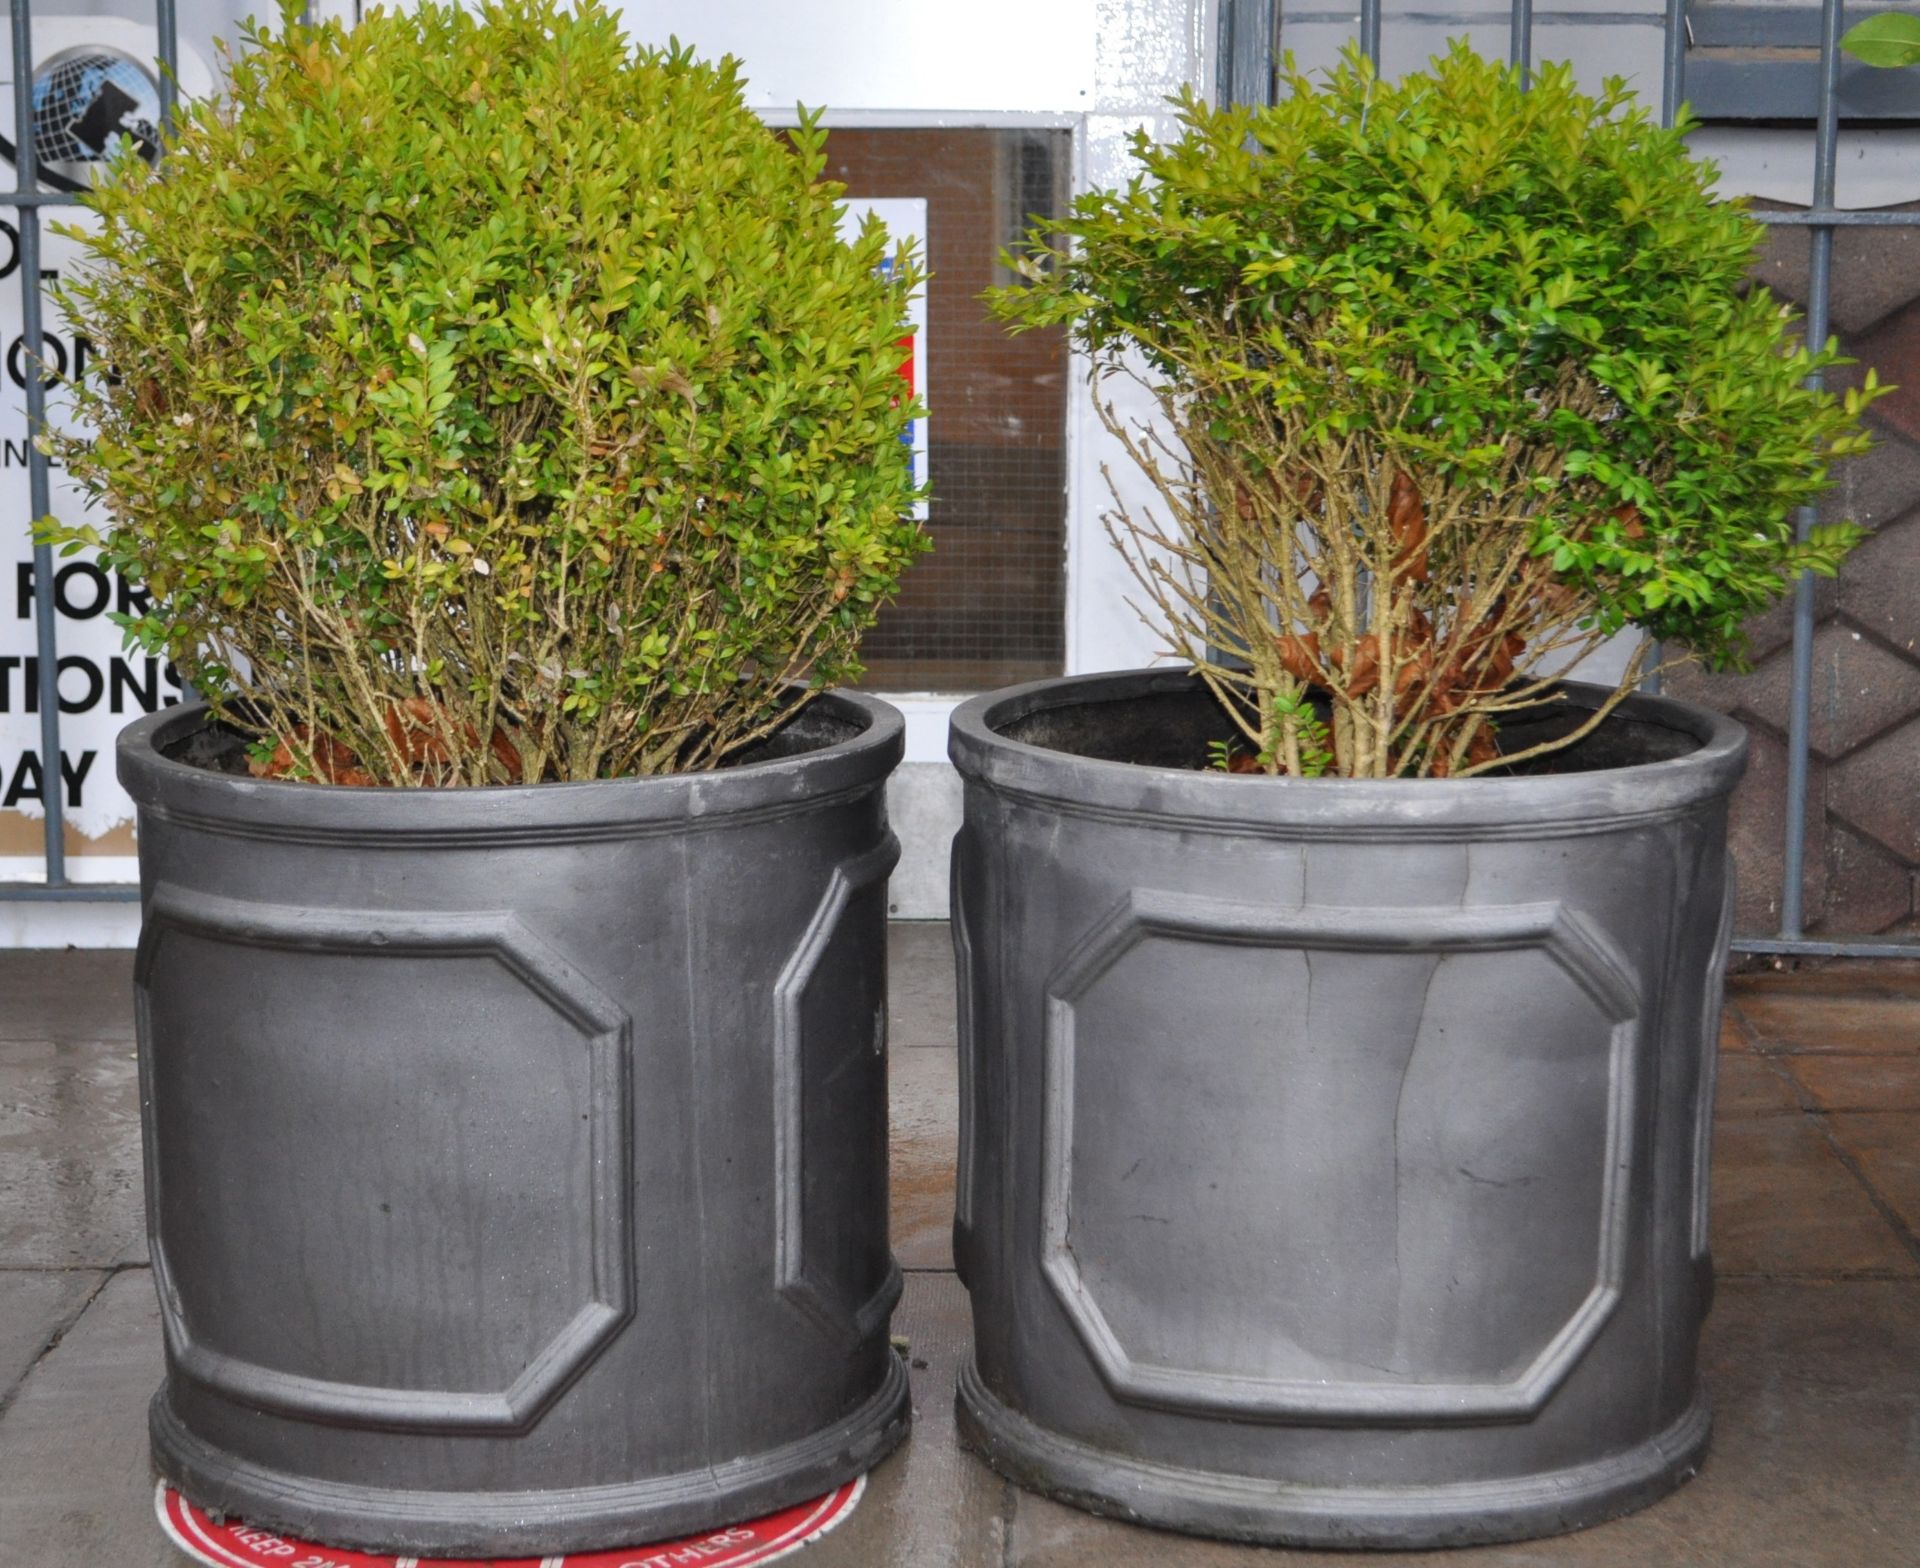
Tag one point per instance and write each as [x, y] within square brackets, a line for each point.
[289, 809]
[1204, 800]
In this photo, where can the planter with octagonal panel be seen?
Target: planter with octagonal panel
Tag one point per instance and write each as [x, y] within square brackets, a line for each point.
[516, 1157]
[1335, 1157]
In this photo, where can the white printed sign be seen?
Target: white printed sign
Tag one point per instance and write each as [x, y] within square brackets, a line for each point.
[93, 82]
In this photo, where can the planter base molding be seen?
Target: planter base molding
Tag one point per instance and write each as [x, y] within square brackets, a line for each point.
[549, 1521]
[1279, 1513]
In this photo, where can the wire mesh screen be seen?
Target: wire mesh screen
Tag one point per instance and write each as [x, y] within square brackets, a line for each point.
[985, 608]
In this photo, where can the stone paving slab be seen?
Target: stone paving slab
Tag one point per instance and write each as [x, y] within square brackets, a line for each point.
[75, 1488]
[1864, 1024]
[35, 1305]
[1813, 1353]
[1886, 1148]
[1753, 1085]
[919, 985]
[1784, 1204]
[1869, 977]
[66, 995]
[1817, 1387]
[930, 1505]
[924, 1095]
[1859, 1083]
[76, 1491]
[69, 1154]
[1814, 1462]
[923, 1092]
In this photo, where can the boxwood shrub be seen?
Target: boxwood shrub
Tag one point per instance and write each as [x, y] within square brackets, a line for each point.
[1459, 377]
[489, 399]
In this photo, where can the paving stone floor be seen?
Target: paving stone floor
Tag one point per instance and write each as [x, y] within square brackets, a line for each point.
[1813, 1350]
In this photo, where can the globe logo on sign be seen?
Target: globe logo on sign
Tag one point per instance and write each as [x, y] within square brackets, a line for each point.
[85, 101]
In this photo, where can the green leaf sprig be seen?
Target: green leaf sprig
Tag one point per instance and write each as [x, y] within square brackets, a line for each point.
[1890, 40]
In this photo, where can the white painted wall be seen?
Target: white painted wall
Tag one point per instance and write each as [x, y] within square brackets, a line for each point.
[201, 22]
[1099, 67]
[1874, 167]
[986, 56]
[82, 924]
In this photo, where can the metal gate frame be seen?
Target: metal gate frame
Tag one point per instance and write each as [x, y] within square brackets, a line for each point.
[1249, 44]
[1249, 36]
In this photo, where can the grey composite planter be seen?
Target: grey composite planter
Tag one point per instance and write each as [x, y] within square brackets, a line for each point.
[516, 1158]
[1334, 1154]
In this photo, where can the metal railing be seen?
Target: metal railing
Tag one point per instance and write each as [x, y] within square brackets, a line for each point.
[1820, 220]
[1249, 31]
[1249, 37]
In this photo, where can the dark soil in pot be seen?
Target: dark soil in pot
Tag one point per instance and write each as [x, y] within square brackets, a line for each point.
[222, 747]
[1174, 729]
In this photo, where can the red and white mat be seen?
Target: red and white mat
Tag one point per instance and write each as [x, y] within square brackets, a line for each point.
[237, 1545]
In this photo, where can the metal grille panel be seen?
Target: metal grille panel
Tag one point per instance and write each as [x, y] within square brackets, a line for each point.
[1249, 38]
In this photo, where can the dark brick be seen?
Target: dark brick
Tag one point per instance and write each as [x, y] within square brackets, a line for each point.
[1859, 689]
[1868, 890]
[1757, 833]
[1875, 271]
